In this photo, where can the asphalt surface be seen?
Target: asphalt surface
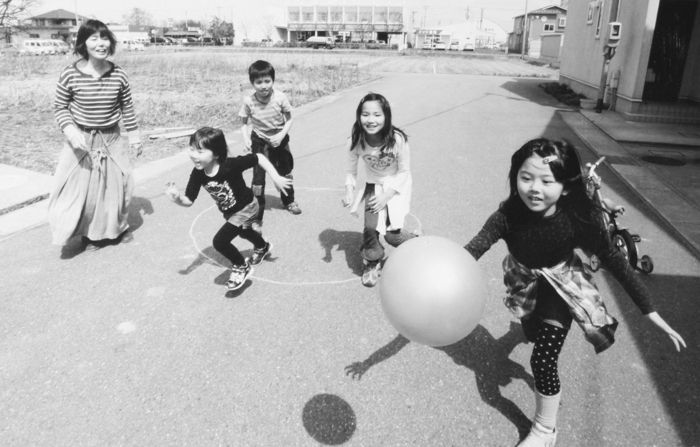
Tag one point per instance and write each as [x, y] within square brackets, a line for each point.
[140, 344]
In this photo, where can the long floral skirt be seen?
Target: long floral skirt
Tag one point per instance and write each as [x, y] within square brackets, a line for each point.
[92, 189]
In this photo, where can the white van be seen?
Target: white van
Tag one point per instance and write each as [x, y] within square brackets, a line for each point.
[35, 47]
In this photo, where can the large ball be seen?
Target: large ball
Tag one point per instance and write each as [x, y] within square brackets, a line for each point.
[432, 291]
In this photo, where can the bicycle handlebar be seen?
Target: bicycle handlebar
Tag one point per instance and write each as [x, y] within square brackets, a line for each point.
[593, 167]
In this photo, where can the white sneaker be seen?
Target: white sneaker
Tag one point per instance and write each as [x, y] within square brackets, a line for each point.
[239, 273]
[539, 436]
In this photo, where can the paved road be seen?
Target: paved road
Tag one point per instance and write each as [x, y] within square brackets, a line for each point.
[139, 344]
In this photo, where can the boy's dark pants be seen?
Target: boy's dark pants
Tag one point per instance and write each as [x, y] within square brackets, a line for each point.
[281, 158]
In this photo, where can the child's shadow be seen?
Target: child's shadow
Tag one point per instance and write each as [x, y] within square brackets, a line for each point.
[482, 353]
[346, 241]
[138, 207]
[212, 257]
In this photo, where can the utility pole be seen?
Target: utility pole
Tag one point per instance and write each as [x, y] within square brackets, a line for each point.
[522, 49]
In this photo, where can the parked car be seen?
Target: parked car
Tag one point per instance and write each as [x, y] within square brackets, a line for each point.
[35, 47]
[131, 45]
[440, 46]
[59, 46]
[320, 42]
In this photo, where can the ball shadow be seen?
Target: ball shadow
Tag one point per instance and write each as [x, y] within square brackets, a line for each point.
[329, 419]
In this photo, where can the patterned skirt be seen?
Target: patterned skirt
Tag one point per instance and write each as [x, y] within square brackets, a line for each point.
[92, 189]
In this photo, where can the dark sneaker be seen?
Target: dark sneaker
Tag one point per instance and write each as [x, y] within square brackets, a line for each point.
[294, 208]
[259, 254]
[239, 273]
[370, 274]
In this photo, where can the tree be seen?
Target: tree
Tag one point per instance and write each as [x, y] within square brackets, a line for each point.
[11, 13]
[138, 17]
[221, 29]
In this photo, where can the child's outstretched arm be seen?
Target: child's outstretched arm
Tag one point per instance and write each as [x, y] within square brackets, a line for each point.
[661, 323]
[281, 183]
[175, 195]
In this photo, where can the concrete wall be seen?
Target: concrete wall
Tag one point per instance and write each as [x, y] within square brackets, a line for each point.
[582, 53]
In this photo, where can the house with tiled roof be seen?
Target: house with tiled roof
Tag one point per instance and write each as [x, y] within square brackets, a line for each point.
[57, 24]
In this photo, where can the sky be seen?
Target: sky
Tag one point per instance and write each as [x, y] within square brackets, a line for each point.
[252, 17]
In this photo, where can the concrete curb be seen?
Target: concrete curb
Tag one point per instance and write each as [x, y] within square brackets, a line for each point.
[31, 213]
[679, 216]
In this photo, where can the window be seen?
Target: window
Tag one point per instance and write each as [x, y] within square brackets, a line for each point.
[33, 36]
[548, 27]
[599, 17]
[589, 14]
[562, 22]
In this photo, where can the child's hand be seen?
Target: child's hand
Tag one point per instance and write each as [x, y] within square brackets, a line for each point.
[282, 183]
[349, 196]
[276, 139]
[661, 323]
[75, 138]
[378, 202]
[172, 192]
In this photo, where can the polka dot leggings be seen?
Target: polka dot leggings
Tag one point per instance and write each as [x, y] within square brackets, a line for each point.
[545, 356]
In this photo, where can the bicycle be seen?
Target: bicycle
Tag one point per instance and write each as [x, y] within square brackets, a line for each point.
[622, 239]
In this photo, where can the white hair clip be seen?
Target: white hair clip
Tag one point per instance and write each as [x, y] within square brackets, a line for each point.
[547, 160]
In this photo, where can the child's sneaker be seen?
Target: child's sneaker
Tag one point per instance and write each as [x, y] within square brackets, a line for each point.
[259, 254]
[239, 273]
[370, 273]
[294, 208]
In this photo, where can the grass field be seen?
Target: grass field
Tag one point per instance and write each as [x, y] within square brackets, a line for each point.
[197, 87]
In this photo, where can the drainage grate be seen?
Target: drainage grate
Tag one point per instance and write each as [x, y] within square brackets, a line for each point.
[665, 160]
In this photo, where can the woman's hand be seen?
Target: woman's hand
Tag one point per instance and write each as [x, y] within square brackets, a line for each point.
[137, 148]
[75, 138]
[673, 335]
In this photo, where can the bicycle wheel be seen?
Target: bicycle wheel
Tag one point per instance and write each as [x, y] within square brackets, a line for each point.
[622, 240]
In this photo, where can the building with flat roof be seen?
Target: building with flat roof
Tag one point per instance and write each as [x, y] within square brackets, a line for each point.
[351, 23]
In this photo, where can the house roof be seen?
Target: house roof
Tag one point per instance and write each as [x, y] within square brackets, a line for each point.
[552, 9]
[58, 14]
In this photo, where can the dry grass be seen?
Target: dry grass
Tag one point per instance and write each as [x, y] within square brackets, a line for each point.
[170, 89]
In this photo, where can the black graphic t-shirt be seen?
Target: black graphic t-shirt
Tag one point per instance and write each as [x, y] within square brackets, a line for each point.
[227, 187]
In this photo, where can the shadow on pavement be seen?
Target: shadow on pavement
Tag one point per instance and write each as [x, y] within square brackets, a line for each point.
[529, 90]
[329, 419]
[137, 208]
[479, 351]
[348, 242]
[674, 374]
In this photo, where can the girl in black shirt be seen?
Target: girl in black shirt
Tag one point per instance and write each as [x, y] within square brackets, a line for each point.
[222, 178]
[547, 215]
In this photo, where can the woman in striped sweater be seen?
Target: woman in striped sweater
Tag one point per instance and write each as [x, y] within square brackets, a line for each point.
[93, 178]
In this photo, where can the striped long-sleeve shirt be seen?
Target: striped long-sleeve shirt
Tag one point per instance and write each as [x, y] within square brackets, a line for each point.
[94, 102]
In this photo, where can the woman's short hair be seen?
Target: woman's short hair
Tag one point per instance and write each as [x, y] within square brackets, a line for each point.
[89, 28]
